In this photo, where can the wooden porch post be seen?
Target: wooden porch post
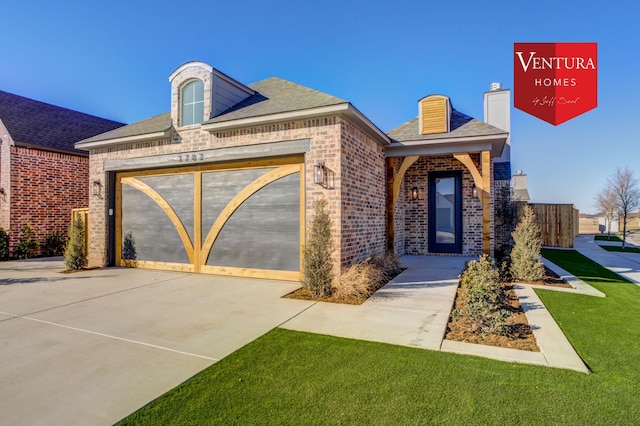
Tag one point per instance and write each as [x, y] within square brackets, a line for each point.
[482, 180]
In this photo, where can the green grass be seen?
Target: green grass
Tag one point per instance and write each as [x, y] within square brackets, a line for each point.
[627, 249]
[612, 237]
[288, 377]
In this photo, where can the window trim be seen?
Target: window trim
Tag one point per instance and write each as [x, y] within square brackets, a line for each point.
[191, 104]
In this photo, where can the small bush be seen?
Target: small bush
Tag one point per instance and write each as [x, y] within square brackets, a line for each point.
[4, 244]
[389, 263]
[54, 244]
[28, 246]
[361, 280]
[483, 294]
[75, 256]
[129, 253]
[525, 256]
[358, 281]
[318, 266]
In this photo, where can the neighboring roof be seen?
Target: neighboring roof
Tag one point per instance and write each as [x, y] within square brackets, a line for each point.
[158, 124]
[46, 126]
[275, 95]
[461, 126]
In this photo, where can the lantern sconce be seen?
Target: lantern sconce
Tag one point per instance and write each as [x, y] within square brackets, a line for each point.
[414, 193]
[96, 189]
[474, 191]
[323, 176]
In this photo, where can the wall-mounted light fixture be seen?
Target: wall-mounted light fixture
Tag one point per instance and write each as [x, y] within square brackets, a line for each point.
[3, 194]
[414, 193]
[474, 191]
[96, 189]
[323, 176]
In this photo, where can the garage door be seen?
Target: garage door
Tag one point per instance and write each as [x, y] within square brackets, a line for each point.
[241, 219]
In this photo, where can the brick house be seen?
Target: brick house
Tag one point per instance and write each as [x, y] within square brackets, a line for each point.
[225, 181]
[42, 175]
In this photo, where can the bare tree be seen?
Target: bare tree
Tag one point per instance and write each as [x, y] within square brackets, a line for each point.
[606, 201]
[627, 189]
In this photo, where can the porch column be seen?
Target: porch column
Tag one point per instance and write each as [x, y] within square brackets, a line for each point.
[482, 180]
[393, 188]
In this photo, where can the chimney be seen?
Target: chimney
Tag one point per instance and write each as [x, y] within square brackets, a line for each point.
[497, 112]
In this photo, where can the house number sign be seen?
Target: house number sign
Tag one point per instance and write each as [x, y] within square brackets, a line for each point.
[186, 158]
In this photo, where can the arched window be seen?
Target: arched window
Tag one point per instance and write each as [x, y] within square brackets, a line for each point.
[192, 103]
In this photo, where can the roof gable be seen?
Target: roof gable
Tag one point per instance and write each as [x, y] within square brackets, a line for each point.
[461, 126]
[38, 124]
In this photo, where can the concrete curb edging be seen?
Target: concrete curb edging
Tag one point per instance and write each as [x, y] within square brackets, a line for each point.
[578, 285]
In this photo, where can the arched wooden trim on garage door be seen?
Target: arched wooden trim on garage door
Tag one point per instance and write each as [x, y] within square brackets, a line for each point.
[199, 247]
[164, 205]
[226, 214]
[482, 180]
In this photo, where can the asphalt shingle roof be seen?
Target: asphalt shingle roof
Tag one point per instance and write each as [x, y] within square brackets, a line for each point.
[275, 95]
[461, 126]
[159, 123]
[36, 123]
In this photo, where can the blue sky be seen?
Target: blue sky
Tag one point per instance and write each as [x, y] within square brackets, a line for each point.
[113, 59]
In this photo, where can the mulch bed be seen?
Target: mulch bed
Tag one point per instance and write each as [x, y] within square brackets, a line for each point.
[519, 336]
[302, 294]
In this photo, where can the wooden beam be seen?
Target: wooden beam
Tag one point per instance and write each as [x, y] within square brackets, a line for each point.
[482, 180]
[486, 202]
[397, 181]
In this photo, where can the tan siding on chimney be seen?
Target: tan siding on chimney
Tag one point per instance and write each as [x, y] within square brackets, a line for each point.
[435, 113]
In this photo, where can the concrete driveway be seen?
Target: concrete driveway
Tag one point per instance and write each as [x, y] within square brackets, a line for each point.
[94, 346]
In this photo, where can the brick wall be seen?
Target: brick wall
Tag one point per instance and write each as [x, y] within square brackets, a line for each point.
[363, 193]
[44, 187]
[324, 135]
[415, 211]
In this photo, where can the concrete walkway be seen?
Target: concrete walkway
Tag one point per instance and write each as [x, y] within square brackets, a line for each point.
[414, 308]
[625, 264]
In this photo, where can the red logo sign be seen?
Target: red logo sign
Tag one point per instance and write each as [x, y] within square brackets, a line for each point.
[555, 81]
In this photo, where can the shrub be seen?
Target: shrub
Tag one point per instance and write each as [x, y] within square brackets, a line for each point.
[389, 264]
[4, 244]
[318, 266]
[28, 246]
[129, 253]
[483, 297]
[362, 279]
[359, 281]
[525, 256]
[75, 256]
[54, 244]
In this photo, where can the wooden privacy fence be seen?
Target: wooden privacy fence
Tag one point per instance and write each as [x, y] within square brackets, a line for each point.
[83, 215]
[558, 223]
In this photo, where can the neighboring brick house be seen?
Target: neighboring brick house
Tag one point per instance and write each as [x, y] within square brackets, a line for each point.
[42, 175]
[225, 182]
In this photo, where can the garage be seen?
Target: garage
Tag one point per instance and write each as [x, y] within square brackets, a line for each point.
[238, 219]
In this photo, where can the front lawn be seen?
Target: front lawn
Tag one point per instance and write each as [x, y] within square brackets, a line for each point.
[619, 249]
[289, 377]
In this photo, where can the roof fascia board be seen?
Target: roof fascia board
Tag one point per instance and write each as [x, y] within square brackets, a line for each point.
[48, 149]
[494, 143]
[123, 140]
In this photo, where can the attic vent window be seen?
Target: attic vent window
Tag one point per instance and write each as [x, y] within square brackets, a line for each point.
[435, 114]
[192, 102]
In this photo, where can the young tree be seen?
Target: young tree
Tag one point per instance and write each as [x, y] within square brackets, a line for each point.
[606, 201]
[525, 256]
[627, 190]
[318, 266]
